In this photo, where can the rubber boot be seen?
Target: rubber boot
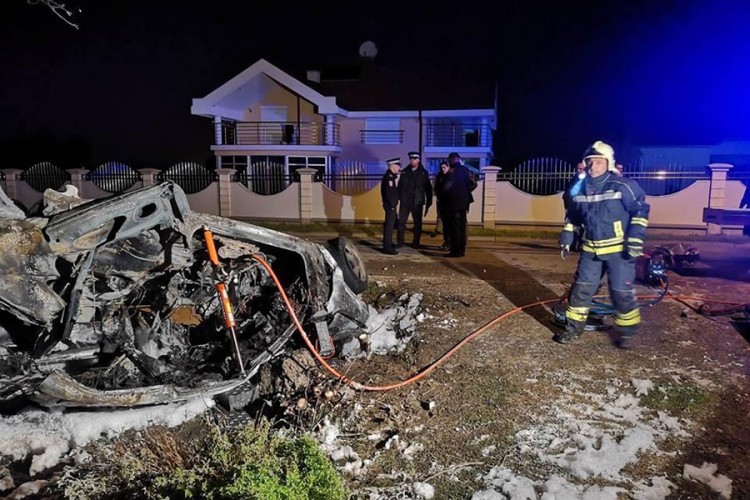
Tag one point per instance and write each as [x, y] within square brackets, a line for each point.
[573, 330]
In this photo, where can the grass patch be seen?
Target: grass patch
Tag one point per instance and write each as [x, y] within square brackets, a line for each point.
[676, 398]
[253, 462]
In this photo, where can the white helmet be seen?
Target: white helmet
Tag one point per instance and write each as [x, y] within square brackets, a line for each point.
[601, 150]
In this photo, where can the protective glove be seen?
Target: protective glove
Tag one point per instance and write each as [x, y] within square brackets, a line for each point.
[566, 239]
[635, 249]
[564, 251]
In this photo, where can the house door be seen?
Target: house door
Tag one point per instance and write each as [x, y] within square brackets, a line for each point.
[272, 128]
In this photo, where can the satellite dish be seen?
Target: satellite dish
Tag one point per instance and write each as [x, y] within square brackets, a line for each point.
[368, 50]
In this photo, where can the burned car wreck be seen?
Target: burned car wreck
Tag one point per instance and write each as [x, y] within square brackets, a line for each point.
[114, 302]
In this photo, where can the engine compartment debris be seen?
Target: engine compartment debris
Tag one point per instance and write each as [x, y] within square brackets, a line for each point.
[114, 302]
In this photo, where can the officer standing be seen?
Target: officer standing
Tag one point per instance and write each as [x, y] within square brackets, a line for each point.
[458, 187]
[613, 213]
[389, 195]
[414, 192]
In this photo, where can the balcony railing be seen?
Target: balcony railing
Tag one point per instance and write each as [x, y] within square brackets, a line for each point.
[280, 133]
[381, 136]
[459, 135]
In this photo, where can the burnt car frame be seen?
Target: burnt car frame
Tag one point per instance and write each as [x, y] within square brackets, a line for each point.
[113, 302]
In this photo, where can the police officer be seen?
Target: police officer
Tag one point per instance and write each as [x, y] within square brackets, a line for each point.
[613, 213]
[458, 187]
[414, 192]
[389, 195]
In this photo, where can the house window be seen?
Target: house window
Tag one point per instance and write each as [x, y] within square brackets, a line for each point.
[316, 162]
[238, 163]
[382, 131]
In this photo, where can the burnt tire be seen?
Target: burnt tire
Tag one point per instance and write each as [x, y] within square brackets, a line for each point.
[351, 263]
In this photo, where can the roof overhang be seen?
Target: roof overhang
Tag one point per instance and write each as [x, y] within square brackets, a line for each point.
[210, 105]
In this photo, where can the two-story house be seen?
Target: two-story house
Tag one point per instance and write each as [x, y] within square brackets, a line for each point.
[268, 122]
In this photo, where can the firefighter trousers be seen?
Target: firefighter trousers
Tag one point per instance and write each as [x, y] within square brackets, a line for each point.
[620, 272]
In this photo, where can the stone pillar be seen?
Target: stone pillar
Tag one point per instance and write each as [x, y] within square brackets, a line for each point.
[717, 191]
[11, 182]
[77, 178]
[225, 191]
[489, 197]
[148, 176]
[306, 194]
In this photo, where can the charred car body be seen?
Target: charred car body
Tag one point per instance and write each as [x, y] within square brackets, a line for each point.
[113, 302]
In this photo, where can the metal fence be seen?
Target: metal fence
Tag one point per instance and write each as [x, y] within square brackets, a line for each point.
[264, 177]
[537, 176]
[354, 177]
[546, 176]
[114, 177]
[540, 176]
[45, 175]
[665, 178]
[191, 177]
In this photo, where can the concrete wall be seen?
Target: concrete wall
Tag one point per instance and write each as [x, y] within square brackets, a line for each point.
[282, 206]
[353, 149]
[206, 201]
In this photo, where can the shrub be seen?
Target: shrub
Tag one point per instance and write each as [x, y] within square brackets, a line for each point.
[254, 462]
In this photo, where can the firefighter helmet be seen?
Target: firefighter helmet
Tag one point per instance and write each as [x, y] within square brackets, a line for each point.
[601, 150]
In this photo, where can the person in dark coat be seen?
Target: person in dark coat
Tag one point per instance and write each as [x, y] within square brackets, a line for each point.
[389, 196]
[458, 187]
[414, 195]
[443, 215]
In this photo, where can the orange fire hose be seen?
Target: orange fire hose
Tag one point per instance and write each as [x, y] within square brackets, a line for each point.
[429, 368]
[226, 304]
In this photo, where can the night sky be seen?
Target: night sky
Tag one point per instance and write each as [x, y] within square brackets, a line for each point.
[120, 88]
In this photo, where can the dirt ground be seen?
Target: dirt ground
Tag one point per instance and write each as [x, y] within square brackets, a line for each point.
[467, 416]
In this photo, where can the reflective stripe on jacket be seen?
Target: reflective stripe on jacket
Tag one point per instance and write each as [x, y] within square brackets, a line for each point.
[612, 211]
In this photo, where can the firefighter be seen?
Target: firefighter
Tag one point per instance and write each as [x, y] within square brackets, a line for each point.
[613, 213]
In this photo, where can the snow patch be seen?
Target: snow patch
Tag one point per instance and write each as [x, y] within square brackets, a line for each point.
[47, 437]
[706, 474]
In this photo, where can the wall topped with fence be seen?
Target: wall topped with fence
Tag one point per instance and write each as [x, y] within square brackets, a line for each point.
[353, 195]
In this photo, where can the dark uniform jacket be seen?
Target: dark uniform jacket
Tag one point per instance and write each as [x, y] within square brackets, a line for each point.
[389, 190]
[440, 179]
[612, 210]
[414, 187]
[458, 186]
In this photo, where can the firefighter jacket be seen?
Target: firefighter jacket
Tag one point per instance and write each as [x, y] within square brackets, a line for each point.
[613, 212]
[389, 190]
[414, 187]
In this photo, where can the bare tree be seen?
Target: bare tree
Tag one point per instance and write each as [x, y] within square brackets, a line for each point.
[59, 9]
